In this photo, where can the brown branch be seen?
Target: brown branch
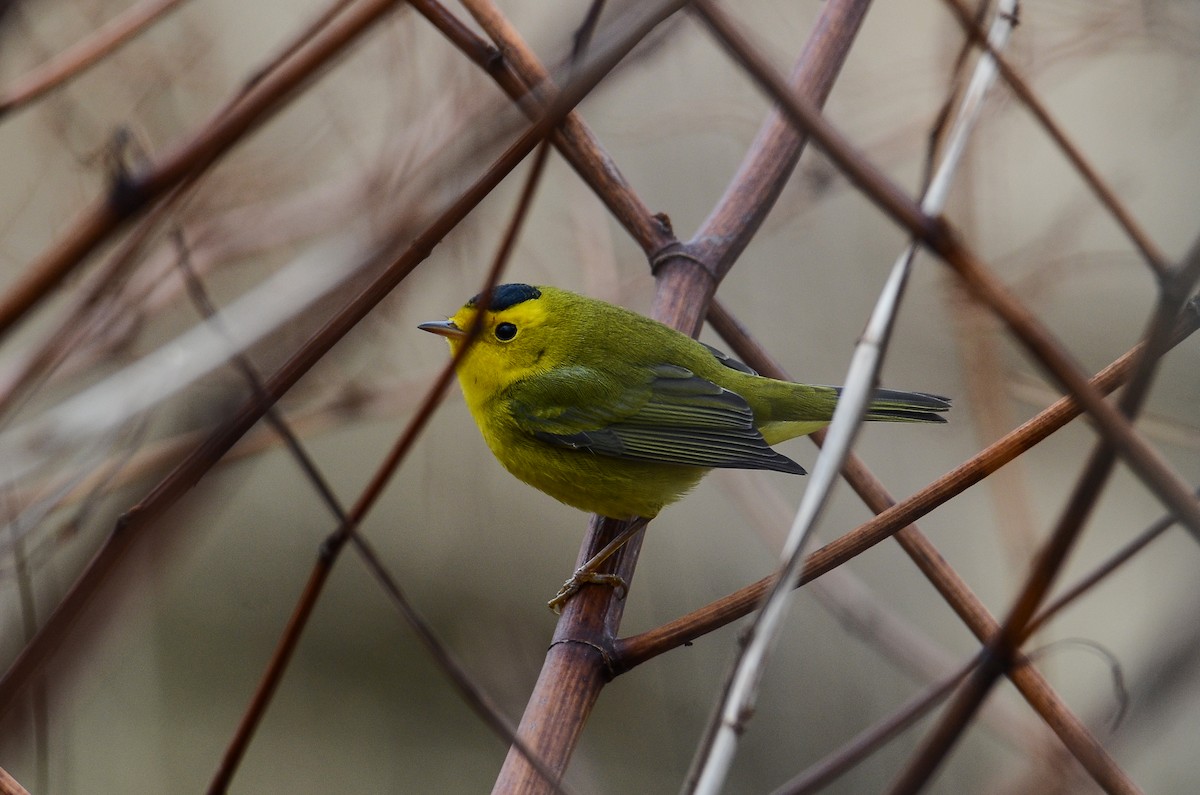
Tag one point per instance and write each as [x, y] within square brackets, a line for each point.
[128, 197]
[9, 785]
[1073, 733]
[1002, 649]
[1144, 460]
[754, 189]
[141, 518]
[1094, 578]
[871, 739]
[524, 78]
[1107, 196]
[1046, 351]
[806, 115]
[893, 518]
[79, 320]
[650, 232]
[637, 649]
[56, 346]
[348, 523]
[833, 765]
[577, 664]
[84, 54]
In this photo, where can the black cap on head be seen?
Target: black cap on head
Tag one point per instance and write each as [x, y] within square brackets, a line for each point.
[505, 295]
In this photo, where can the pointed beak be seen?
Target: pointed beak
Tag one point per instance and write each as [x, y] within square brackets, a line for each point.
[445, 328]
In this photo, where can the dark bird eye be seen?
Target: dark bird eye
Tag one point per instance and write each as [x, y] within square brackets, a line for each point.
[505, 332]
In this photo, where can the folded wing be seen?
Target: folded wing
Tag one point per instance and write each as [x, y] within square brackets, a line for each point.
[672, 416]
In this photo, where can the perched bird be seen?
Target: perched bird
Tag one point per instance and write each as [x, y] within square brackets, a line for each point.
[617, 414]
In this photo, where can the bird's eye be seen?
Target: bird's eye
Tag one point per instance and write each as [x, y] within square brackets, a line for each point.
[505, 332]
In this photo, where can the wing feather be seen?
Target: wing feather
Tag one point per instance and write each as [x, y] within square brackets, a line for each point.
[673, 417]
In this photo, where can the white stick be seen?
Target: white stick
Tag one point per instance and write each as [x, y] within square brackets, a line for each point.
[742, 691]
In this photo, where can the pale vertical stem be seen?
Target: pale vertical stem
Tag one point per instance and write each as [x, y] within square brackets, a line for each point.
[847, 418]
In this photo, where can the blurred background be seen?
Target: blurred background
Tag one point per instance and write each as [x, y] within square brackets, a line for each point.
[145, 690]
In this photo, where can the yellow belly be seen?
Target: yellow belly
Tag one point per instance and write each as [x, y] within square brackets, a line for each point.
[600, 484]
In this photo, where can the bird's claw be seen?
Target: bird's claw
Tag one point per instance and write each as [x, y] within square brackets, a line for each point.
[581, 577]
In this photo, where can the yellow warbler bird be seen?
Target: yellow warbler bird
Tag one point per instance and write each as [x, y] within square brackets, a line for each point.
[617, 414]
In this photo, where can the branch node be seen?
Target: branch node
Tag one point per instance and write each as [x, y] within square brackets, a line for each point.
[606, 655]
[676, 252]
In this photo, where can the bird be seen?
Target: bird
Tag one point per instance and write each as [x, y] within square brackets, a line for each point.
[617, 414]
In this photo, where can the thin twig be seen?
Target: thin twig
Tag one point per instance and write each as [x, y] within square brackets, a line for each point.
[9, 785]
[1149, 250]
[713, 764]
[870, 740]
[1002, 650]
[49, 355]
[1101, 572]
[84, 54]
[141, 517]
[348, 522]
[893, 518]
[577, 665]
[127, 198]
[1044, 348]
[637, 649]
[524, 78]
[38, 706]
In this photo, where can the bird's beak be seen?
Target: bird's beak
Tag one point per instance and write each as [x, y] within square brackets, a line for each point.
[445, 328]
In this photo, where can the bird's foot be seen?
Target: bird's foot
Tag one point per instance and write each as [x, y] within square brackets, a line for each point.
[584, 576]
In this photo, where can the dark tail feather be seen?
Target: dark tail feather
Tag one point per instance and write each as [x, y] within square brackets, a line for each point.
[891, 405]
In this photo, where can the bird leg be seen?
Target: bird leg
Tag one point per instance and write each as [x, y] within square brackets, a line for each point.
[587, 572]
